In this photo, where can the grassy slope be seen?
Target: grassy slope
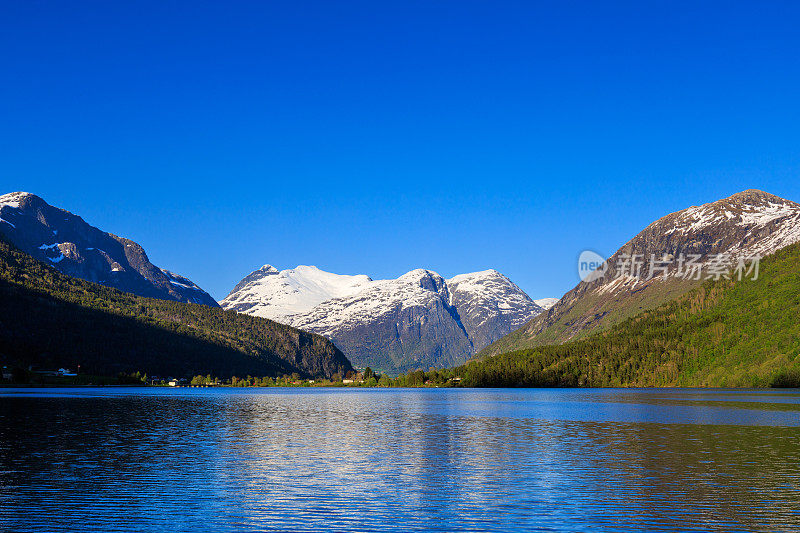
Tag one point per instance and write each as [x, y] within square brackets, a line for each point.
[608, 310]
[725, 333]
[50, 319]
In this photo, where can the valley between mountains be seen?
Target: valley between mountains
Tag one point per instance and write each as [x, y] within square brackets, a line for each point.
[419, 320]
[76, 295]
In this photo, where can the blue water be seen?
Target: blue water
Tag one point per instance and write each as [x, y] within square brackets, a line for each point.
[157, 459]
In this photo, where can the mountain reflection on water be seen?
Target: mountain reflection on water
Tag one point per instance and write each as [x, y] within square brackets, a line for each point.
[120, 459]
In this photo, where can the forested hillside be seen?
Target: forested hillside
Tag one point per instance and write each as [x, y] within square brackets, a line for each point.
[746, 224]
[49, 319]
[725, 333]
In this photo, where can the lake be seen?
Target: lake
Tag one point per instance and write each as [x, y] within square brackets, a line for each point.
[302, 459]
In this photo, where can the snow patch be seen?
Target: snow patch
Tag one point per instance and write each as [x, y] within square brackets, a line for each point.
[766, 214]
[546, 303]
[181, 281]
[13, 199]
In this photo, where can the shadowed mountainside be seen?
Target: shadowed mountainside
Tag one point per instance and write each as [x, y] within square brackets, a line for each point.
[49, 319]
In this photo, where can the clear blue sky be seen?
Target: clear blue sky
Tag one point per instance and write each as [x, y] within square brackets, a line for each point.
[378, 137]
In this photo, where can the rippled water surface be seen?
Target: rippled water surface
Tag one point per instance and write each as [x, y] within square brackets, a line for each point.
[119, 459]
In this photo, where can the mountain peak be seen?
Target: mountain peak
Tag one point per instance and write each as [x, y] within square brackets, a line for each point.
[426, 279]
[416, 320]
[546, 303]
[308, 268]
[748, 211]
[68, 243]
[754, 196]
[274, 294]
[481, 274]
[750, 200]
[418, 273]
[743, 227]
[14, 199]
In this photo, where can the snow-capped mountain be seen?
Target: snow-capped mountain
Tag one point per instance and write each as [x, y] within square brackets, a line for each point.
[274, 294]
[417, 320]
[397, 324]
[748, 224]
[64, 241]
[546, 303]
[490, 305]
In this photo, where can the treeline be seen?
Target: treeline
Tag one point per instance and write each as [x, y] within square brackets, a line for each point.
[367, 378]
[726, 333]
[49, 320]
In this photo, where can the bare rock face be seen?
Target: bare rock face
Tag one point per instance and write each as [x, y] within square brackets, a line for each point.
[418, 320]
[746, 225]
[64, 241]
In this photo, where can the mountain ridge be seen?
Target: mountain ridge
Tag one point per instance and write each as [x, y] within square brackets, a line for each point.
[746, 224]
[49, 319]
[417, 320]
[270, 293]
[71, 245]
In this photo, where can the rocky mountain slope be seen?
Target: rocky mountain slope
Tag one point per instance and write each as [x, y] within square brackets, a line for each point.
[684, 248]
[52, 320]
[418, 320]
[72, 246]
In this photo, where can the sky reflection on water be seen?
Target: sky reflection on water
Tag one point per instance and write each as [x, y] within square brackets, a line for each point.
[118, 459]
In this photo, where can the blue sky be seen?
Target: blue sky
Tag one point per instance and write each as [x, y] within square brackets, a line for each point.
[378, 137]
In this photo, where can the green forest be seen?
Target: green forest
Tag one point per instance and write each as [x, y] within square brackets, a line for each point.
[726, 333]
[51, 320]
